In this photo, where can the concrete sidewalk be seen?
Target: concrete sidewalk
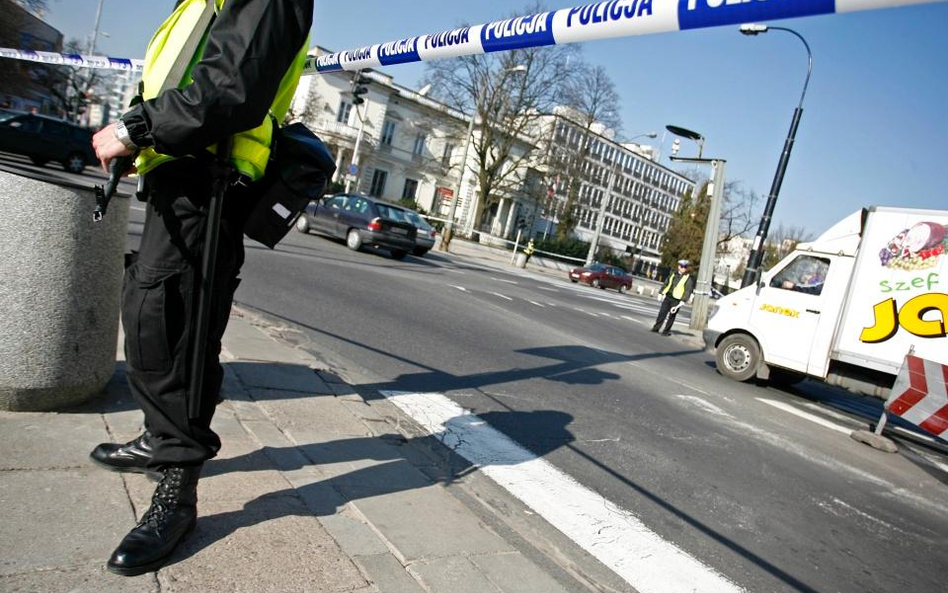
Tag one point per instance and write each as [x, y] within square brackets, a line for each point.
[317, 488]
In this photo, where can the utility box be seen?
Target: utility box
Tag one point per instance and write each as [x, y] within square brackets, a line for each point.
[59, 294]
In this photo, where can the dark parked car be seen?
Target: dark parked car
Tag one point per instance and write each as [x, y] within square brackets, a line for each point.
[360, 220]
[45, 139]
[602, 276]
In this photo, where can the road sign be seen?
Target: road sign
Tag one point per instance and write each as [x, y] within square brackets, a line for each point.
[920, 395]
[353, 169]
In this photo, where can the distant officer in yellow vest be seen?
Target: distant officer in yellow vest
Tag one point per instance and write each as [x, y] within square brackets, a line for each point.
[240, 77]
[677, 290]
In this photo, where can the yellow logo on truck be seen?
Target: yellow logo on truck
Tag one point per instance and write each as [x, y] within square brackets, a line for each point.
[888, 318]
[780, 310]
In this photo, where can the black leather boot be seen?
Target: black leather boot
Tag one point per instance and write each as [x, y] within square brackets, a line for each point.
[171, 517]
[132, 456]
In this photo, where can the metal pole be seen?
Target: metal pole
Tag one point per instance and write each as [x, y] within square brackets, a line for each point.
[699, 312]
[95, 32]
[355, 151]
[601, 221]
[757, 252]
[448, 232]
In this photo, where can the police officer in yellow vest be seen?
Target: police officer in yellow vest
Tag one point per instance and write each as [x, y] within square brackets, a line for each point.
[242, 75]
[677, 290]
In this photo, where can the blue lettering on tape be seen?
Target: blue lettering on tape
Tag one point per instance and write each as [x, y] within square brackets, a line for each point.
[517, 33]
[357, 55]
[122, 63]
[607, 12]
[399, 52]
[448, 38]
[328, 63]
[696, 14]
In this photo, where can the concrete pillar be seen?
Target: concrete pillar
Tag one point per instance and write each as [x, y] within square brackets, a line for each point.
[59, 294]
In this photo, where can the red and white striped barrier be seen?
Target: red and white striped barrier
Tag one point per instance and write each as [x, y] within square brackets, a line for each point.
[920, 395]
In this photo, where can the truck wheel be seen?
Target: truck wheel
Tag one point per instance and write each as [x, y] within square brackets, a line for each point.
[737, 357]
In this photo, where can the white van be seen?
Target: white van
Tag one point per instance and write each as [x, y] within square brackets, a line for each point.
[845, 308]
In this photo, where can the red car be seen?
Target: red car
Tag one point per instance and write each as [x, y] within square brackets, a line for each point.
[602, 276]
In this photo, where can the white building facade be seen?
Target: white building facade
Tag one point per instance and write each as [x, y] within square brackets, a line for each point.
[411, 146]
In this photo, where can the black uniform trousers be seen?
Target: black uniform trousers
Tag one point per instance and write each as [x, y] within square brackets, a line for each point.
[159, 303]
[665, 309]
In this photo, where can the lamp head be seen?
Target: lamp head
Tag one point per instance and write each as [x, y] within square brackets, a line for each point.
[753, 29]
[684, 133]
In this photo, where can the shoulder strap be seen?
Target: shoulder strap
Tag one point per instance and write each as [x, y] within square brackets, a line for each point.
[180, 66]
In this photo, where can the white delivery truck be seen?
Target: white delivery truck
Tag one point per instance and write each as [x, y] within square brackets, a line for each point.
[845, 308]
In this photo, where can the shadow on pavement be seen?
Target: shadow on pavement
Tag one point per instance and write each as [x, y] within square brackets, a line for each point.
[395, 470]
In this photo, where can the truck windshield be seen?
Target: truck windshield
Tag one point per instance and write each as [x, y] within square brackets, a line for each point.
[804, 274]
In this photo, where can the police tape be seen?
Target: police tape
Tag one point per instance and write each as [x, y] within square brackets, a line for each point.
[74, 60]
[602, 20]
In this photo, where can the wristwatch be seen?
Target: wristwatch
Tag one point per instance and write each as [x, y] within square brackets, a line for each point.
[121, 133]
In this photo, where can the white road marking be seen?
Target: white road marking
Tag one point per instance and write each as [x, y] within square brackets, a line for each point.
[547, 288]
[536, 303]
[503, 296]
[613, 535]
[800, 413]
[704, 405]
[502, 280]
[461, 288]
[633, 319]
[585, 311]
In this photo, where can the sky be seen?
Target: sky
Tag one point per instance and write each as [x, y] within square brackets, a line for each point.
[874, 125]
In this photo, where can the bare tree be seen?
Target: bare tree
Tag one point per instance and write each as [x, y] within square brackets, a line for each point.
[79, 87]
[590, 97]
[507, 92]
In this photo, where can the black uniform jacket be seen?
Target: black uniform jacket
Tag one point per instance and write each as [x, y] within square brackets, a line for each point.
[250, 46]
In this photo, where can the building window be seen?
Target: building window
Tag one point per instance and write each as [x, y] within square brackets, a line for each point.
[388, 132]
[378, 183]
[446, 157]
[345, 109]
[419, 145]
[410, 190]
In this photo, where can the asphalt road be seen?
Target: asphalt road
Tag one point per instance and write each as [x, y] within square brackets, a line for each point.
[763, 485]
[774, 501]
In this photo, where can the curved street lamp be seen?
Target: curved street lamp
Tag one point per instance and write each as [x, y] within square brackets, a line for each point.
[690, 135]
[757, 252]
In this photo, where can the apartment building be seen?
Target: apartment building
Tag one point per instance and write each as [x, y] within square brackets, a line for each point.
[640, 201]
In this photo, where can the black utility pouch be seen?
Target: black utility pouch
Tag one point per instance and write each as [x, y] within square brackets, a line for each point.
[296, 175]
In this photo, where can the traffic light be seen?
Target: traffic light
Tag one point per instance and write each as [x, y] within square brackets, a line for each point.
[358, 87]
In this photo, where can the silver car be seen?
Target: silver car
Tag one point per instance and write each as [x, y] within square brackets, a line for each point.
[425, 237]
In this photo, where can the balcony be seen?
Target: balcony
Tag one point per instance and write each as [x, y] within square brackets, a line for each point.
[330, 127]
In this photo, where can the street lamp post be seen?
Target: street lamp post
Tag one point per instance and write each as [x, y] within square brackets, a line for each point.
[448, 232]
[600, 221]
[757, 251]
[699, 311]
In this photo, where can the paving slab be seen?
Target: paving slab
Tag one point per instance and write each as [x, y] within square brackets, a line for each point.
[270, 544]
[309, 418]
[387, 573]
[243, 340]
[452, 575]
[79, 579]
[512, 573]
[284, 376]
[48, 440]
[57, 518]
[405, 520]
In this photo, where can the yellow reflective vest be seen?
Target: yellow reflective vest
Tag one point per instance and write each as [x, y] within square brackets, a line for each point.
[679, 290]
[250, 151]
